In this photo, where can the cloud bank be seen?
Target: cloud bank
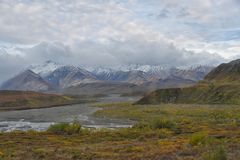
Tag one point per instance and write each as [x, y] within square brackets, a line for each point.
[113, 32]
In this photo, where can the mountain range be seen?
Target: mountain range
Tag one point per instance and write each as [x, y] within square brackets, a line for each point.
[51, 76]
[220, 86]
[67, 76]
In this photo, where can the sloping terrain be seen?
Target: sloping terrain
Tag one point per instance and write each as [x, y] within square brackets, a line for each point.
[225, 73]
[200, 94]
[67, 76]
[26, 81]
[221, 86]
[135, 77]
[17, 100]
[171, 82]
[46, 68]
[101, 88]
[51, 76]
[140, 74]
[193, 73]
[124, 88]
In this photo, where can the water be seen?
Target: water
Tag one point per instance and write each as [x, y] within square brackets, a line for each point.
[41, 119]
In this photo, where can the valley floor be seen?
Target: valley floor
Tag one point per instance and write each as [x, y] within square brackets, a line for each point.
[167, 132]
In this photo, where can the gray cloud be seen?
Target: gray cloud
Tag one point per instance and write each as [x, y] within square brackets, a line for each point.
[110, 32]
[97, 54]
[10, 65]
[46, 51]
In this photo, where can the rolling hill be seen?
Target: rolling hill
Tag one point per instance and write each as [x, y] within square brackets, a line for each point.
[17, 100]
[102, 88]
[220, 86]
[225, 73]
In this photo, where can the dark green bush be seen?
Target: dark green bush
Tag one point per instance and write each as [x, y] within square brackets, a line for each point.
[157, 123]
[162, 123]
[66, 128]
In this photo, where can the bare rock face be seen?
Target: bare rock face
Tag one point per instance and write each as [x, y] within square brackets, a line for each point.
[26, 81]
[67, 76]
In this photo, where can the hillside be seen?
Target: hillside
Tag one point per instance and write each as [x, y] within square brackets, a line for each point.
[67, 76]
[125, 88]
[27, 81]
[225, 73]
[17, 100]
[221, 86]
[101, 88]
[200, 94]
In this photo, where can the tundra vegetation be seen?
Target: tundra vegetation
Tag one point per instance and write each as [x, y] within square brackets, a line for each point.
[164, 131]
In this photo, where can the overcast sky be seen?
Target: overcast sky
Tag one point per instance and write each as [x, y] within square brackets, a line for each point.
[110, 32]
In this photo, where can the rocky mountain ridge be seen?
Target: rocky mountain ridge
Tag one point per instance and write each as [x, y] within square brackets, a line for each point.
[59, 76]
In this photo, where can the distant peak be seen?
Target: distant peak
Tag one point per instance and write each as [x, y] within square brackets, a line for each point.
[28, 71]
[45, 68]
[50, 61]
[237, 61]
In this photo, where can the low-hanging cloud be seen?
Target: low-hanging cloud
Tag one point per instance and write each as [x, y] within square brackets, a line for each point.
[108, 33]
[108, 55]
[10, 65]
[118, 52]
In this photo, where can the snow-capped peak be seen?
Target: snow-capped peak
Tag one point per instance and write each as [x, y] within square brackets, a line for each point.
[127, 68]
[45, 68]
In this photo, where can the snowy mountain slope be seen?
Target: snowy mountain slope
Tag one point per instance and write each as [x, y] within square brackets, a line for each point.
[127, 73]
[151, 73]
[61, 76]
[67, 76]
[45, 68]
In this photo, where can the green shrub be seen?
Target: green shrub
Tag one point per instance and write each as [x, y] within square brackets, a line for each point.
[58, 128]
[142, 125]
[218, 154]
[164, 133]
[66, 128]
[198, 139]
[162, 123]
[157, 123]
